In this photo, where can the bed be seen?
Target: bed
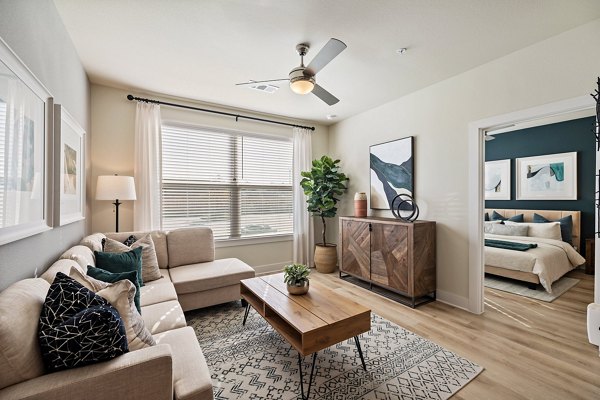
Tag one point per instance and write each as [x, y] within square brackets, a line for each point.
[546, 263]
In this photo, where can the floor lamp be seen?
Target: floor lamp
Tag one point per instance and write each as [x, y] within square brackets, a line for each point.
[115, 187]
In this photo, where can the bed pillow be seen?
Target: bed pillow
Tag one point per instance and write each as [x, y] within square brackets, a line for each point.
[549, 230]
[506, 230]
[499, 217]
[566, 226]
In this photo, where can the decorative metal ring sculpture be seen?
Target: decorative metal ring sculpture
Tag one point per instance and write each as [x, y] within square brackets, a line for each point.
[405, 203]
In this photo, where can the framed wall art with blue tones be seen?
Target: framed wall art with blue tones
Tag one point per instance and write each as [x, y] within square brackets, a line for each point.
[547, 177]
[391, 171]
[497, 180]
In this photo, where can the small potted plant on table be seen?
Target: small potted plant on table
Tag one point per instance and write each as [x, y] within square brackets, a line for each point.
[296, 277]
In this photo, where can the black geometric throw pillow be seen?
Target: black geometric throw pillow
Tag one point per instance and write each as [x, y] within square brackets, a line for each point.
[78, 327]
[130, 240]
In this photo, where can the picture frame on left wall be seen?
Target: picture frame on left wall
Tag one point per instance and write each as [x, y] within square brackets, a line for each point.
[69, 168]
[26, 132]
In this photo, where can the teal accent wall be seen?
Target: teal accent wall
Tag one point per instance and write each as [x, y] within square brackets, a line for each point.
[563, 137]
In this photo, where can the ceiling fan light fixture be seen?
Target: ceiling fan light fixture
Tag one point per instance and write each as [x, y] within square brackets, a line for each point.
[302, 85]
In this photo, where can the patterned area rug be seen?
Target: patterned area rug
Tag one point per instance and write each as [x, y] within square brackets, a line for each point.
[512, 286]
[254, 362]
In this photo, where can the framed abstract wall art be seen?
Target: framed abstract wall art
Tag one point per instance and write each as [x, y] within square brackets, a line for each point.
[497, 180]
[25, 150]
[69, 166]
[548, 177]
[391, 171]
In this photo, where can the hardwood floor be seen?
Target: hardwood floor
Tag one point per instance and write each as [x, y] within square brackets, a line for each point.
[529, 349]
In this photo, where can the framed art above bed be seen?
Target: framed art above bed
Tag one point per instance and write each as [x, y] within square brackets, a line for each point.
[547, 177]
[497, 180]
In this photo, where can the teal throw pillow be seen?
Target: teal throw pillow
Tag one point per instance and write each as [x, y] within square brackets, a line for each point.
[499, 217]
[112, 277]
[121, 262]
[566, 226]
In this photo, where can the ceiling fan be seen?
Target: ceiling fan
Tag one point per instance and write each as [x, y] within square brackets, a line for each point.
[303, 79]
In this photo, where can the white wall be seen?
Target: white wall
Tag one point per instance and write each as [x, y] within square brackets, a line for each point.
[561, 67]
[113, 122]
[35, 32]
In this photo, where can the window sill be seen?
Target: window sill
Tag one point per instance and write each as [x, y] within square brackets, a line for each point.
[253, 240]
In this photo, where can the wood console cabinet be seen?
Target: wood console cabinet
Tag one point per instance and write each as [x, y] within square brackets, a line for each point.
[389, 253]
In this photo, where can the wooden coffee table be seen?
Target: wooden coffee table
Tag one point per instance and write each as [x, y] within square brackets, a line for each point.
[310, 322]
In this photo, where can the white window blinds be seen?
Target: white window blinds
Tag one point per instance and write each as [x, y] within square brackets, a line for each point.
[236, 184]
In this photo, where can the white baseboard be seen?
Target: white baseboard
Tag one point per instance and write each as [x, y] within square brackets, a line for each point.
[452, 299]
[270, 268]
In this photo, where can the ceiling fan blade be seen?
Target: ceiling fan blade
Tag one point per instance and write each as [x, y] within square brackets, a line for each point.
[253, 82]
[324, 95]
[323, 57]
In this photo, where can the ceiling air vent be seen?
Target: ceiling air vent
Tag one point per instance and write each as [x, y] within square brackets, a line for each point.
[262, 87]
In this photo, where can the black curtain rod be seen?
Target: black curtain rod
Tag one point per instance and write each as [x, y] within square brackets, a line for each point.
[237, 116]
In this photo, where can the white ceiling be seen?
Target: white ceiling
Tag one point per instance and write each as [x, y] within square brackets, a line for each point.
[198, 49]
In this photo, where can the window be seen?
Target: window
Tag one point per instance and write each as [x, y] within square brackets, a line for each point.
[239, 185]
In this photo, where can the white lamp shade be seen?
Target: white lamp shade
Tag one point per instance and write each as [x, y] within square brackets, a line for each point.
[113, 187]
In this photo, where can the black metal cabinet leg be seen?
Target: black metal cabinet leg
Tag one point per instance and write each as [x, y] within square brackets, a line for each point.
[246, 314]
[244, 302]
[310, 379]
[360, 353]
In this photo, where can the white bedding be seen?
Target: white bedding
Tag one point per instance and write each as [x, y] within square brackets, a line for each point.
[549, 261]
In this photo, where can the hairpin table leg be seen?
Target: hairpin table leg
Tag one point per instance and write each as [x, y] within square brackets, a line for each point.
[310, 379]
[246, 313]
[360, 353]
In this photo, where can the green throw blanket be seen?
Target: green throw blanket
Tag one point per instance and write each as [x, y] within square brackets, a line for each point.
[502, 244]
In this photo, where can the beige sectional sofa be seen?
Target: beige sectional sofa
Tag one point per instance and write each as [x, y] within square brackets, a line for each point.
[174, 368]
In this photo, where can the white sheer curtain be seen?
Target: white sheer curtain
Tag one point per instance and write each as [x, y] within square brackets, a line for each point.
[303, 222]
[147, 167]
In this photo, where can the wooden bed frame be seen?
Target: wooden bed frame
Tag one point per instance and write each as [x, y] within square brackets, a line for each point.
[551, 215]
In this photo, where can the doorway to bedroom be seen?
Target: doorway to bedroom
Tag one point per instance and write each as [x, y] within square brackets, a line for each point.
[538, 195]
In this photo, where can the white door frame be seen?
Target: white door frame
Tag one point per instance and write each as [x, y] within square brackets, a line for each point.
[476, 142]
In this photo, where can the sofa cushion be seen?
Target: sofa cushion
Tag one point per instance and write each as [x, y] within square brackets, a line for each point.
[112, 277]
[191, 376]
[165, 275]
[157, 292]
[150, 270]
[121, 262]
[190, 246]
[161, 317]
[120, 295]
[93, 242]
[159, 238]
[82, 254]
[210, 275]
[20, 357]
[63, 266]
[78, 327]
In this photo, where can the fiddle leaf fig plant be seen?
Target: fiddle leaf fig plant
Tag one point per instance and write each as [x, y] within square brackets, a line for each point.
[295, 274]
[323, 185]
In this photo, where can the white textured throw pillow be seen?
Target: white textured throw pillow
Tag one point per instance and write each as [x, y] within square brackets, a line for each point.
[506, 230]
[150, 271]
[547, 230]
[120, 295]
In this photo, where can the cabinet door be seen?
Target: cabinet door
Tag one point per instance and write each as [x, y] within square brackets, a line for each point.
[355, 248]
[389, 256]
